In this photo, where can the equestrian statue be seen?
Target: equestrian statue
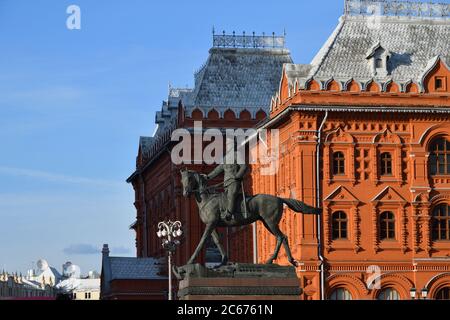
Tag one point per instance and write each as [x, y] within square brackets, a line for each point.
[234, 209]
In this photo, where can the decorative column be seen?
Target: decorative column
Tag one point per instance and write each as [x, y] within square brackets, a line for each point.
[399, 161]
[356, 228]
[404, 222]
[352, 164]
[426, 221]
[327, 217]
[415, 227]
[376, 243]
[326, 164]
[375, 164]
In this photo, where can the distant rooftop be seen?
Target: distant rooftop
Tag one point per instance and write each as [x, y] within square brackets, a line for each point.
[399, 8]
[248, 41]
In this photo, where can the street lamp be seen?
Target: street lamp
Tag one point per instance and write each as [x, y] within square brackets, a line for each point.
[413, 293]
[168, 232]
[424, 293]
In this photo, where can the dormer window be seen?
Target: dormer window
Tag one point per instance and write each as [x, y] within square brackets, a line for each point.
[378, 59]
[379, 63]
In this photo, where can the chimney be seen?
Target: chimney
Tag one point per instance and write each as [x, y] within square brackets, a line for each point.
[105, 251]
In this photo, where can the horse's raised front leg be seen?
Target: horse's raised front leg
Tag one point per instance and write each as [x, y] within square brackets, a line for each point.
[209, 229]
[216, 240]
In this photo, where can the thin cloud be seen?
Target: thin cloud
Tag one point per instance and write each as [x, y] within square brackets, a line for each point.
[48, 176]
[81, 249]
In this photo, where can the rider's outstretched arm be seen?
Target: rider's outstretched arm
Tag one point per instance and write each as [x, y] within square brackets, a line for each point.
[216, 172]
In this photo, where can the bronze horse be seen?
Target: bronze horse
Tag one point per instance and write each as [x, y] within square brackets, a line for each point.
[265, 208]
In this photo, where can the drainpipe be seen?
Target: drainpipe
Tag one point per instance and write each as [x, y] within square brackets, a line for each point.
[319, 205]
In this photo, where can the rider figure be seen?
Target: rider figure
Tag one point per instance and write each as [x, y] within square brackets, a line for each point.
[233, 176]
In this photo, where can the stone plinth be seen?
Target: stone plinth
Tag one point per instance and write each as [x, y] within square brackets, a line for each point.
[238, 282]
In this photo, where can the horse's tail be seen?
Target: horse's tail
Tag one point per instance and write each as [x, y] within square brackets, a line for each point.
[299, 206]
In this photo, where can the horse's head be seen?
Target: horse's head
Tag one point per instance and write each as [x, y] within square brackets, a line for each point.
[188, 182]
[192, 182]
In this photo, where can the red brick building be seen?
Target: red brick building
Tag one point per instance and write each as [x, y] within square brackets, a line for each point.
[365, 134]
[232, 89]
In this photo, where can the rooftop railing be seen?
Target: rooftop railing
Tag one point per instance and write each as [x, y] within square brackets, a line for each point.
[248, 41]
[400, 8]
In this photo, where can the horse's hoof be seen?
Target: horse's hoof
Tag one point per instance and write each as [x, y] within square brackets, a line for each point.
[295, 263]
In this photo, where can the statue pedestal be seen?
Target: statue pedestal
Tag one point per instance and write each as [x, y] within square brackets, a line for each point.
[238, 282]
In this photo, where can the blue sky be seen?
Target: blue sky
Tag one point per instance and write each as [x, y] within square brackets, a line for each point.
[74, 103]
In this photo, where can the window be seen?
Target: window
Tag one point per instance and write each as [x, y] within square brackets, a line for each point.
[74, 296]
[440, 83]
[386, 164]
[87, 295]
[387, 226]
[338, 163]
[341, 294]
[443, 294]
[440, 157]
[339, 225]
[441, 223]
[378, 63]
[389, 294]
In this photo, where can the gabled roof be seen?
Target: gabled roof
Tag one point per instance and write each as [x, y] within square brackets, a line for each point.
[412, 42]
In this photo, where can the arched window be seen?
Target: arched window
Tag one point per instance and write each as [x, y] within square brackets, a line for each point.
[443, 294]
[338, 163]
[441, 223]
[386, 164]
[341, 294]
[440, 157]
[340, 225]
[389, 294]
[387, 226]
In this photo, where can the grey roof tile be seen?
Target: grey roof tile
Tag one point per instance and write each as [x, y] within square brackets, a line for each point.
[135, 268]
[239, 78]
[412, 42]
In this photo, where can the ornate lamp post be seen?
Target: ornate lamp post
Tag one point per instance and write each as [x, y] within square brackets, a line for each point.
[168, 232]
[415, 295]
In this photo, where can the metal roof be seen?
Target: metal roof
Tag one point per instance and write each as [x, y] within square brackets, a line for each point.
[413, 43]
